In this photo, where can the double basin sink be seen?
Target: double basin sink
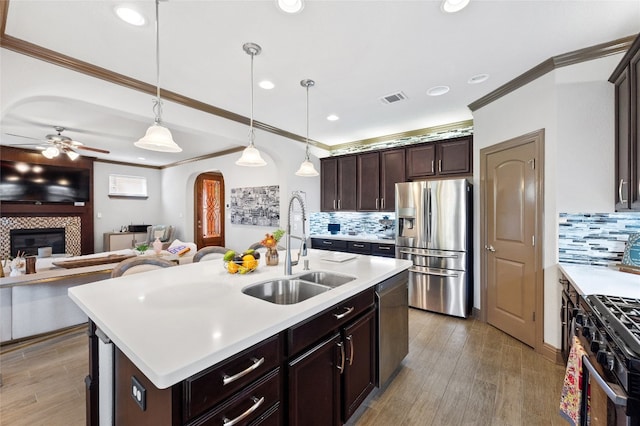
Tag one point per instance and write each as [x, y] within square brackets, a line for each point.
[295, 289]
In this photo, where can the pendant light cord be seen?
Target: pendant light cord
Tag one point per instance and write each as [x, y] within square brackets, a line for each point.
[307, 150]
[251, 132]
[158, 103]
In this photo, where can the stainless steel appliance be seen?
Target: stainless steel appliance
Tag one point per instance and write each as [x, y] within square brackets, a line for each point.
[393, 325]
[433, 229]
[608, 328]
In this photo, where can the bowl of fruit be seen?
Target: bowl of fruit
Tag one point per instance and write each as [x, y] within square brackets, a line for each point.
[241, 263]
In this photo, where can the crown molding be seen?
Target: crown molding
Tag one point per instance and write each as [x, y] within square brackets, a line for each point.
[577, 56]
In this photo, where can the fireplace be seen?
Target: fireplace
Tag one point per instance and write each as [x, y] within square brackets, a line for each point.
[71, 234]
[28, 241]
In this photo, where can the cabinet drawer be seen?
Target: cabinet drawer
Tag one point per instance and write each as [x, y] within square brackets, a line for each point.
[380, 249]
[315, 328]
[255, 403]
[358, 247]
[208, 388]
[328, 244]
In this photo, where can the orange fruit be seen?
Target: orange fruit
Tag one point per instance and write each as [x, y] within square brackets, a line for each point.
[232, 267]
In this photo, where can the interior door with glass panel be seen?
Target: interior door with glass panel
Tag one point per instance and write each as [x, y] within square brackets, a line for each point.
[209, 209]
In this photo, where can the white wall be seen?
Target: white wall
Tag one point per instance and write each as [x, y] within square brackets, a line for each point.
[574, 105]
[116, 212]
[171, 198]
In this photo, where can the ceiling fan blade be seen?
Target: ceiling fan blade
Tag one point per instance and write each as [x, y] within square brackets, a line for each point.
[88, 148]
[22, 136]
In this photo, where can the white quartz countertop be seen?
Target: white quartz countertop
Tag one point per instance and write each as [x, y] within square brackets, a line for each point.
[602, 280]
[175, 322]
[372, 238]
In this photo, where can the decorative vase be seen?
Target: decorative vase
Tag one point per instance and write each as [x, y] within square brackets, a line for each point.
[157, 246]
[271, 256]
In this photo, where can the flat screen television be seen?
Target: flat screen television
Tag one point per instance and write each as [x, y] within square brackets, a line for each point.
[23, 182]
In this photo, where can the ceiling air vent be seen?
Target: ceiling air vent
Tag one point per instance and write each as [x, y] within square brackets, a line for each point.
[393, 98]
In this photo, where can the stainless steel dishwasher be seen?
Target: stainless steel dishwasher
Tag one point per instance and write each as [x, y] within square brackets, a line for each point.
[393, 324]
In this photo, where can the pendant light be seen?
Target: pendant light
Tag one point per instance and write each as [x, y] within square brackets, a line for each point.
[306, 168]
[251, 156]
[158, 137]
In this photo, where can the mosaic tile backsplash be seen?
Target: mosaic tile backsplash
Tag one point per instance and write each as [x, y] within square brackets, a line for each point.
[350, 222]
[595, 238]
[71, 225]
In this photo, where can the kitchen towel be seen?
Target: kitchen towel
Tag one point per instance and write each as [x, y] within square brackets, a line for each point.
[573, 387]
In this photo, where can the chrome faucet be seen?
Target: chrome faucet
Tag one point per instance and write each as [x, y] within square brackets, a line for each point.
[288, 263]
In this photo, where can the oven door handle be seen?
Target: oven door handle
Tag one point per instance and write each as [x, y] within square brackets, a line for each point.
[615, 393]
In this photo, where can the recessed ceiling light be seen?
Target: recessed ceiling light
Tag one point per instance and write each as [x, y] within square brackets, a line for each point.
[141, 158]
[290, 6]
[130, 15]
[266, 84]
[333, 117]
[438, 90]
[452, 6]
[478, 78]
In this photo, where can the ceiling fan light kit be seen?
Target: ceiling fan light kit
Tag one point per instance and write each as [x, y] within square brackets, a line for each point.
[158, 137]
[251, 156]
[290, 6]
[306, 168]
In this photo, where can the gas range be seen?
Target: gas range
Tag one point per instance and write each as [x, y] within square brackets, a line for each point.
[611, 327]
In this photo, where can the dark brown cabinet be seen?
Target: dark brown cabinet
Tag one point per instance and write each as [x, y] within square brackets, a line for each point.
[451, 157]
[378, 172]
[329, 379]
[360, 247]
[626, 78]
[338, 183]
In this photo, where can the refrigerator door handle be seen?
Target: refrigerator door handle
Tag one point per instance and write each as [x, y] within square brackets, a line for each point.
[416, 253]
[438, 274]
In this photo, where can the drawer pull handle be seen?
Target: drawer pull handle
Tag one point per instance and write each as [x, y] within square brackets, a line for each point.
[256, 404]
[327, 243]
[384, 248]
[351, 352]
[359, 245]
[230, 379]
[345, 313]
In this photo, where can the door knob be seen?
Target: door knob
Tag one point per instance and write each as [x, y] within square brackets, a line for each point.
[489, 248]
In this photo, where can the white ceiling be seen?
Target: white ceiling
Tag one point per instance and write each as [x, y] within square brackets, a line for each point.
[356, 51]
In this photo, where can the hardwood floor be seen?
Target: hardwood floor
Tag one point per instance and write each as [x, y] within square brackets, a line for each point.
[458, 372]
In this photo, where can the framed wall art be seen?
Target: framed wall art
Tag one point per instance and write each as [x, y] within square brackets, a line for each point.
[257, 206]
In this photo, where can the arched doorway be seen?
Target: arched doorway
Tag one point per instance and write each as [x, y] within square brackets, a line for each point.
[209, 209]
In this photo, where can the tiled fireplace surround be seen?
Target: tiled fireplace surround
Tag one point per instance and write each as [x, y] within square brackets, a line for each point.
[71, 224]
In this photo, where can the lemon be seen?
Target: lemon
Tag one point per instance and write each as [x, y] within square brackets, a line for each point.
[232, 267]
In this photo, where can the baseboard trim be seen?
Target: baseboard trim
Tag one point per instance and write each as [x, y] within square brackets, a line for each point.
[551, 353]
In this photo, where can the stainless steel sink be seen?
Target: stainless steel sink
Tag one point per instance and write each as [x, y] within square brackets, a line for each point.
[326, 278]
[285, 291]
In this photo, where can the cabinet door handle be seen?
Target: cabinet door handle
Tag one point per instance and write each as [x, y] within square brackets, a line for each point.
[338, 204]
[256, 404]
[345, 313]
[382, 201]
[622, 182]
[377, 203]
[341, 366]
[351, 352]
[439, 166]
[432, 169]
[230, 379]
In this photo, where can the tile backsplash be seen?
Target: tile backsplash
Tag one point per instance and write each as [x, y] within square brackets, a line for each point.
[595, 238]
[350, 222]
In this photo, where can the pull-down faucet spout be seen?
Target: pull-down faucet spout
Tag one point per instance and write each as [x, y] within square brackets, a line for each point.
[288, 263]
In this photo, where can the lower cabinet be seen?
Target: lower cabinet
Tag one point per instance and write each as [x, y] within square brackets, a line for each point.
[360, 247]
[329, 380]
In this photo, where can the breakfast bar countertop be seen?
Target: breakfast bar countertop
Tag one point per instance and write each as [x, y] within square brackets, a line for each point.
[601, 280]
[175, 322]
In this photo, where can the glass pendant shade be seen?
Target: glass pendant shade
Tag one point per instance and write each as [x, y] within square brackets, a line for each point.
[72, 155]
[307, 169]
[251, 158]
[158, 138]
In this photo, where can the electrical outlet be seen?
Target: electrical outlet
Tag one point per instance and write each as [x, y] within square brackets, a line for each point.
[138, 393]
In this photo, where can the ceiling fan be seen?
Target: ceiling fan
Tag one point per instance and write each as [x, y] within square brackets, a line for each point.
[58, 143]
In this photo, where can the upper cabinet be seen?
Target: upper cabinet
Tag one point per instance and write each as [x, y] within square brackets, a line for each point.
[338, 183]
[366, 181]
[378, 172]
[442, 158]
[626, 78]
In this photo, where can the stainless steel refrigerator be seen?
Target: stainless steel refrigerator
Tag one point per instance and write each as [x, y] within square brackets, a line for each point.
[434, 230]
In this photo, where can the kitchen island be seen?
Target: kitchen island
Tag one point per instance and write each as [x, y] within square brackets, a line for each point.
[176, 323]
